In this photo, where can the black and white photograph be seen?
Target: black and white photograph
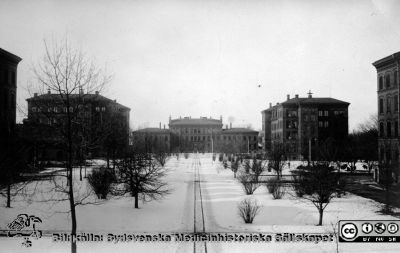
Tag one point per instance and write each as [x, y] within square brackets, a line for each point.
[203, 126]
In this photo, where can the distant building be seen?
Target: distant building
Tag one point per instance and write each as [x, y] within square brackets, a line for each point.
[8, 93]
[388, 107]
[301, 123]
[103, 122]
[207, 135]
[151, 140]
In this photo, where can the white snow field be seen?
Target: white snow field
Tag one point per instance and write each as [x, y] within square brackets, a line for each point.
[215, 190]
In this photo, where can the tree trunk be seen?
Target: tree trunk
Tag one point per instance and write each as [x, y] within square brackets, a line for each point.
[9, 195]
[321, 213]
[136, 200]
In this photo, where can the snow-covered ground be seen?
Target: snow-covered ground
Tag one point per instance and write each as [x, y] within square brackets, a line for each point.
[221, 193]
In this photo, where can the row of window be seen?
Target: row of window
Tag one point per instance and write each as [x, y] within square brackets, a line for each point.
[390, 131]
[193, 130]
[385, 81]
[392, 104]
[324, 124]
[64, 109]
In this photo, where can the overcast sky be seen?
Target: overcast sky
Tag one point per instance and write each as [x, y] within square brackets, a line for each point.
[212, 58]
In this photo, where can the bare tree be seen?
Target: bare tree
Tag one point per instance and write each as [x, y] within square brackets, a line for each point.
[70, 75]
[249, 182]
[248, 210]
[161, 154]
[141, 177]
[235, 166]
[277, 158]
[318, 184]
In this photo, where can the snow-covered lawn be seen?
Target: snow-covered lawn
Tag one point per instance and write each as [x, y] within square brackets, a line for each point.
[221, 194]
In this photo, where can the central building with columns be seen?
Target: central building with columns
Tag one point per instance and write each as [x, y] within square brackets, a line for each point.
[204, 134]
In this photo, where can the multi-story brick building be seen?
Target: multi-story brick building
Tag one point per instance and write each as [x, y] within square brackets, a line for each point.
[102, 124]
[8, 93]
[301, 123]
[388, 107]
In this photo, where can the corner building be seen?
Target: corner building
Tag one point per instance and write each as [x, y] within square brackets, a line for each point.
[301, 123]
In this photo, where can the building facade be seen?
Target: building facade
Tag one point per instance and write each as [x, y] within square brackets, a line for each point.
[202, 134]
[8, 93]
[388, 107]
[100, 125]
[151, 140]
[302, 123]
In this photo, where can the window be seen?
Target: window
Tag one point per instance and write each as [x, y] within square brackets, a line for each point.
[326, 124]
[33, 109]
[306, 118]
[320, 123]
[326, 113]
[381, 130]
[381, 105]
[97, 109]
[313, 118]
[388, 104]
[396, 129]
[380, 82]
[389, 129]
[387, 80]
[396, 103]
[103, 109]
[55, 109]
[320, 113]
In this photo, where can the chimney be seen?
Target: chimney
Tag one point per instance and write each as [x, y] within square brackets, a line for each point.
[97, 92]
[226, 126]
[270, 105]
[296, 96]
[230, 125]
[80, 91]
[35, 94]
[288, 97]
[164, 126]
[309, 94]
[160, 125]
[48, 91]
[115, 101]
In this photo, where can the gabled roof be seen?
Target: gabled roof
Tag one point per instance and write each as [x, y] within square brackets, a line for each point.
[86, 97]
[238, 130]
[198, 121]
[9, 56]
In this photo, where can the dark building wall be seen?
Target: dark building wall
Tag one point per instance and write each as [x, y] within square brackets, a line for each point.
[388, 107]
[8, 94]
